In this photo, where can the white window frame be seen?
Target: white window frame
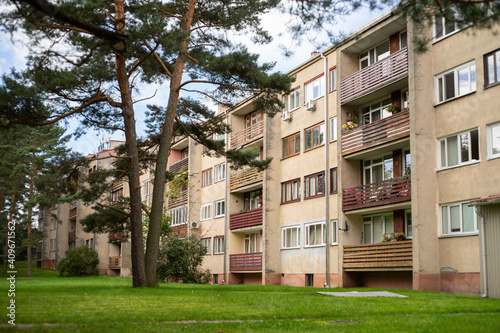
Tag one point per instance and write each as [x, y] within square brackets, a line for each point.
[441, 20]
[379, 107]
[446, 221]
[310, 87]
[335, 232]
[252, 242]
[333, 129]
[219, 208]
[219, 245]
[53, 244]
[315, 225]
[490, 143]
[206, 212]
[440, 82]
[408, 224]
[207, 242]
[372, 54]
[287, 233]
[219, 172]
[444, 141]
[178, 216]
[333, 79]
[206, 177]
[292, 101]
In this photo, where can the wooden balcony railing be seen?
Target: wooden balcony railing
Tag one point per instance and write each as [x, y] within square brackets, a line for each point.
[377, 194]
[379, 132]
[180, 200]
[249, 134]
[375, 76]
[245, 262]
[115, 262]
[177, 166]
[72, 213]
[245, 177]
[245, 219]
[396, 255]
[71, 236]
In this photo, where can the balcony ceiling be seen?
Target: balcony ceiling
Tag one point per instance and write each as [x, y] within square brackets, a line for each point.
[379, 150]
[181, 144]
[380, 93]
[379, 209]
[248, 188]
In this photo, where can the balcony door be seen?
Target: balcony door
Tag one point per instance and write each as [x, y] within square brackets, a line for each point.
[375, 54]
[375, 226]
[377, 170]
[253, 119]
[252, 242]
[375, 111]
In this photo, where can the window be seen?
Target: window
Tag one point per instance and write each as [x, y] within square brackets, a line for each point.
[218, 244]
[375, 111]
[219, 172]
[206, 212]
[335, 232]
[290, 237]
[220, 137]
[292, 100]
[206, 243]
[373, 55]
[220, 208]
[493, 140]
[184, 153]
[333, 180]
[455, 82]
[458, 149]
[116, 196]
[408, 224]
[290, 191]
[314, 185]
[253, 200]
[333, 79]
[291, 145]
[52, 224]
[315, 234]
[315, 88]
[333, 129]
[315, 136]
[178, 215]
[377, 170]
[374, 227]
[52, 245]
[145, 190]
[458, 218]
[403, 40]
[252, 242]
[444, 27]
[492, 68]
[407, 164]
[206, 177]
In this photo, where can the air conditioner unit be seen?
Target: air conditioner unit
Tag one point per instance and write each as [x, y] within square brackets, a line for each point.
[287, 116]
[194, 225]
[311, 106]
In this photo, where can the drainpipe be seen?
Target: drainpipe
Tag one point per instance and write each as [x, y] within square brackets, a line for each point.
[483, 252]
[325, 178]
[226, 138]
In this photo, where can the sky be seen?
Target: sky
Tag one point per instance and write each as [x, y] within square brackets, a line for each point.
[13, 55]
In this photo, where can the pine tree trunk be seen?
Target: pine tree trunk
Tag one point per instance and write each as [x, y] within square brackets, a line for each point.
[138, 278]
[153, 241]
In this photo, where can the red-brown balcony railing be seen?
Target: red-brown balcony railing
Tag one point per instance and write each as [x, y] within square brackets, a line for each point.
[114, 262]
[177, 166]
[72, 213]
[115, 236]
[248, 218]
[245, 262]
[245, 177]
[395, 255]
[180, 200]
[379, 132]
[375, 76]
[249, 134]
[377, 194]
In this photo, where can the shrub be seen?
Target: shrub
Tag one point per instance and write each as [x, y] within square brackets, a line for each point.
[79, 261]
[180, 258]
[390, 237]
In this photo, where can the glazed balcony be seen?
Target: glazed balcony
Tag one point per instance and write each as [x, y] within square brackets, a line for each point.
[244, 178]
[245, 219]
[374, 77]
[377, 194]
[249, 134]
[179, 201]
[115, 262]
[177, 166]
[246, 262]
[379, 256]
[377, 133]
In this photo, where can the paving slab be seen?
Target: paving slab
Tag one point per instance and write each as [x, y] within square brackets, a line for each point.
[362, 294]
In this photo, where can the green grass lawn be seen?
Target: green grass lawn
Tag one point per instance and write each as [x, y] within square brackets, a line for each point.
[50, 303]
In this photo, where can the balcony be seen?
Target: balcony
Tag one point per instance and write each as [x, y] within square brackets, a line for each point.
[374, 77]
[248, 135]
[115, 262]
[71, 236]
[380, 256]
[377, 194]
[246, 262]
[245, 219]
[177, 166]
[115, 237]
[377, 133]
[245, 177]
[180, 200]
[72, 213]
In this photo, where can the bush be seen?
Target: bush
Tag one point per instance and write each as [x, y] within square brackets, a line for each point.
[79, 261]
[179, 259]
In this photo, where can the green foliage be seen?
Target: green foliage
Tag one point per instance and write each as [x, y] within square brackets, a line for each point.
[180, 258]
[79, 261]
[166, 229]
[392, 237]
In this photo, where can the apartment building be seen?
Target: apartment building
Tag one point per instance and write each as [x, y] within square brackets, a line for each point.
[62, 230]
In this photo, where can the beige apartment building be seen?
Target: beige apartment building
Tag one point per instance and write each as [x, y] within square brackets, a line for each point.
[376, 138]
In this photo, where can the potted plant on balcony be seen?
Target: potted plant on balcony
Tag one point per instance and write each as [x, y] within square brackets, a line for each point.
[351, 122]
[393, 237]
[393, 108]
